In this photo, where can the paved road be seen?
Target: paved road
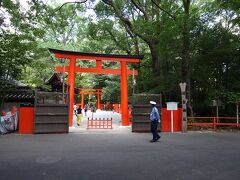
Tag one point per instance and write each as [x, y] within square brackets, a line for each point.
[120, 156]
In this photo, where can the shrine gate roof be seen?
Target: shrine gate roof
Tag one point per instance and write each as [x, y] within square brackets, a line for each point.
[93, 56]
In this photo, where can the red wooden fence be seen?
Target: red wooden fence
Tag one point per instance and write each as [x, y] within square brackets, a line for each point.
[99, 123]
[213, 122]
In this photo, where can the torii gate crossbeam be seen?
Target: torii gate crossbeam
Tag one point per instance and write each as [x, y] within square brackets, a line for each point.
[123, 72]
[96, 70]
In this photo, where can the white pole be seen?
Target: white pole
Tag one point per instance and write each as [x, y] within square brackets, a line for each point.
[172, 121]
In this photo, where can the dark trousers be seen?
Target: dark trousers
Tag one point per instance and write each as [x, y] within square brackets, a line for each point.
[154, 130]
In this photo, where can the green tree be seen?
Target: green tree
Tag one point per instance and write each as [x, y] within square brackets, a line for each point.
[61, 30]
[17, 42]
[216, 63]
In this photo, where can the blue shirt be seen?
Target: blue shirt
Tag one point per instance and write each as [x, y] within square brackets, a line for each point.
[154, 115]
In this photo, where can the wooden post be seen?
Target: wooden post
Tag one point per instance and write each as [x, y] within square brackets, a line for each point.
[98, 99]
[214, 123]
[82, 100]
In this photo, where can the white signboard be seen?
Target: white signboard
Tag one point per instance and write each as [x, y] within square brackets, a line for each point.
[172, 106]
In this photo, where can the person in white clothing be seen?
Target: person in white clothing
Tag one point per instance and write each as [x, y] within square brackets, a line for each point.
[75, 109]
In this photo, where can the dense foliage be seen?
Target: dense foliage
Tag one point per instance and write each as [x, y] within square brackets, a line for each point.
[195, 41]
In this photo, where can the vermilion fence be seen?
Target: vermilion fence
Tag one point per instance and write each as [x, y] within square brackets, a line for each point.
[213, 122]
[99, 123]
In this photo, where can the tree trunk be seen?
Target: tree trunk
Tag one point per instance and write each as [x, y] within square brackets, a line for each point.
[186, 53]
[155, 57]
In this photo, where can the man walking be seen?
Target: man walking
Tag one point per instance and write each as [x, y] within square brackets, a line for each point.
[155, 119]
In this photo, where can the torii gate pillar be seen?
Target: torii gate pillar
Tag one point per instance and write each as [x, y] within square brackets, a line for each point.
[124, 94]
[71, 81]
[82, 100]
[98, 100]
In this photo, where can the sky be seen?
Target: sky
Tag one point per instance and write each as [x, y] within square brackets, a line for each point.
[25, 7]
[59, 3]
[51, 2]
[24, 2]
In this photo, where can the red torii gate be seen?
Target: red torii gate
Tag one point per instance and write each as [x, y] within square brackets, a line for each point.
[97, 91]
[123, 71]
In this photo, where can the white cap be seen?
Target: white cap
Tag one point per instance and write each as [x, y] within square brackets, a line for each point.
[152, 102]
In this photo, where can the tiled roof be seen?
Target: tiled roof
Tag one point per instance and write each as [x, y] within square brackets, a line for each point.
[15, 95]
